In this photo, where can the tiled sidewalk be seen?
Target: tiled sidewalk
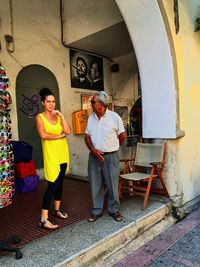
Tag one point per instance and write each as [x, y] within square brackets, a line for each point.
[21, 218]
[179, 246]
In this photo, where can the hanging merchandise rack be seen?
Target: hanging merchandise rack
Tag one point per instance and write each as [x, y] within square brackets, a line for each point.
[6, 157]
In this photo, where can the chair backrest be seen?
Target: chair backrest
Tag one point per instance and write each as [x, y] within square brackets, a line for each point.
[147, 153]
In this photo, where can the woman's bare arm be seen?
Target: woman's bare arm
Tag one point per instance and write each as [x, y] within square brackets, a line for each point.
[43, 134]
[65, 124]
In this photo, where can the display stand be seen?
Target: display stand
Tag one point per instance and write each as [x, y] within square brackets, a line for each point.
[4, 246]
[6, 158]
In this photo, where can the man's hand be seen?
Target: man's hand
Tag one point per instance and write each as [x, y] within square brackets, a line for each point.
[97, 154]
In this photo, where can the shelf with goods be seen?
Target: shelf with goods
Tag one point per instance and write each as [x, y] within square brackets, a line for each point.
[6, 153]
[7, 187]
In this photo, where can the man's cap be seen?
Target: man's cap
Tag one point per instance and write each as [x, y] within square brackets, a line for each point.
[103, 97]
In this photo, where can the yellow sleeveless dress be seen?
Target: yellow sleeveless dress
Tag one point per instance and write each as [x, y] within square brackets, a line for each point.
[55, 152]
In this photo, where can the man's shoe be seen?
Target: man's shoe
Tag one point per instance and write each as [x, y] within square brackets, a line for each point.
[94, 217]
[116, 216]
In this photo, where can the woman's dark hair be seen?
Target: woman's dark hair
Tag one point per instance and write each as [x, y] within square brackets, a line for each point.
[44, 92]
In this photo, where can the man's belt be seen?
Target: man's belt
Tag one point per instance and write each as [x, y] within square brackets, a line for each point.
[105, 153]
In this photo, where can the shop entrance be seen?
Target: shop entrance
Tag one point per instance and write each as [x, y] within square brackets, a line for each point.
[30, 81]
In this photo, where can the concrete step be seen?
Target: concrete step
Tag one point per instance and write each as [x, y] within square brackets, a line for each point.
[98, 243]
[113, 247]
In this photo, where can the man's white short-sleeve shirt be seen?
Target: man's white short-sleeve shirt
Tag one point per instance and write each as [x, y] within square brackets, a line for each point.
[104, 132]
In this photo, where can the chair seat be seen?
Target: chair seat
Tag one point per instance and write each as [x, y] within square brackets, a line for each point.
[151, 156]
[136, 176]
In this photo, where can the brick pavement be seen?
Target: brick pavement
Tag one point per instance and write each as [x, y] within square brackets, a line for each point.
[179, 246]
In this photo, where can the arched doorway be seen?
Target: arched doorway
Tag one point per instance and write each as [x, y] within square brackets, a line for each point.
[157, 67]
[30, 81]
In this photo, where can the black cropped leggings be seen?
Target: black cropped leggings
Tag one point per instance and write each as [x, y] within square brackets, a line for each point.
[54, 189]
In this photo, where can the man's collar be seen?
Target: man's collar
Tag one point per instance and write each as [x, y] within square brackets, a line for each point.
[103, 114]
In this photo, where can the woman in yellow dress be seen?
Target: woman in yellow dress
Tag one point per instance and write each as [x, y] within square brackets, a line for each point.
[52, 128]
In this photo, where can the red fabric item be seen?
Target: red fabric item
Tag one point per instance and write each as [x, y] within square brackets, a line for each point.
[24, 169]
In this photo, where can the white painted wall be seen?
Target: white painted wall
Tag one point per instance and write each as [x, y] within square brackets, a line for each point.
[147, 31]
[85, 17]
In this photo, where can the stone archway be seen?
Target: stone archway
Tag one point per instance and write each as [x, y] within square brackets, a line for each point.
[30, 81]
[154, 56]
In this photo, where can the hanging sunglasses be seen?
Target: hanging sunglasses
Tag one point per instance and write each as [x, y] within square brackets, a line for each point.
[2, 73]
[6, 189]
[4, 175]
[4, 115]
[6, 155]
[5, 95]
[4, 78]
[6, 196]
[5, 140]
[6, 168]
[5, 133]
[5, 120]
[2, 68]
[11, 178]
[3, 106]
[4, 136]
[7, 183]
[5, 127]
[5, 112]
[7, 174]
[5, 203]
[6, 148]
[7, 161]
[3, 86]
[2, 100]
[2, 91]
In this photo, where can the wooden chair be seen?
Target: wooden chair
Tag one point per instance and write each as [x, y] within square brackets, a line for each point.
[137, 180]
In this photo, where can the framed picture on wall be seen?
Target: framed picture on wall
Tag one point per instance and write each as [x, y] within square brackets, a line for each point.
[86, 102]
[86, 70]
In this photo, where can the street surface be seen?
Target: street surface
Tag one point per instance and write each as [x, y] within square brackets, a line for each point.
[179, 246]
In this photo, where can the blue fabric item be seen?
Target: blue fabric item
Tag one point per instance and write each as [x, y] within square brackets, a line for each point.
[22, 151]
[28, 184]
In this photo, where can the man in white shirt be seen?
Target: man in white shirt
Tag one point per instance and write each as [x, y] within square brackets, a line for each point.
[104, 134]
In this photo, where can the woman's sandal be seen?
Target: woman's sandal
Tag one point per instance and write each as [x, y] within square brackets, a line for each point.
[44, 225]
[60, 214]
